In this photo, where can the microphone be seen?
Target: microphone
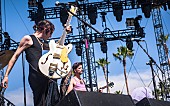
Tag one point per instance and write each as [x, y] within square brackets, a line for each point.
[137, 40]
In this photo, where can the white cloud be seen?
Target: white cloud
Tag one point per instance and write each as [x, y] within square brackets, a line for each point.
[134, 81]
[17, 97]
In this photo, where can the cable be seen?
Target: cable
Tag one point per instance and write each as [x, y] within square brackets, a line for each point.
[20, 16]
[132, 61]
[5, 14]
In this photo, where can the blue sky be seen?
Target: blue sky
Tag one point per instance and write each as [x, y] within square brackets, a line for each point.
[16, 22]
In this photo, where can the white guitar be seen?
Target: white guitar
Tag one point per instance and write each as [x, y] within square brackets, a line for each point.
[56, 64]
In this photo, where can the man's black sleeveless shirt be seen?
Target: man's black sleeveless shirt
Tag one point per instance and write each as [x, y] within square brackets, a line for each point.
[33, 54]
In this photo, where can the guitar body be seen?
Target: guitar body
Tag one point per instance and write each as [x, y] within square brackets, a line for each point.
[56, 64]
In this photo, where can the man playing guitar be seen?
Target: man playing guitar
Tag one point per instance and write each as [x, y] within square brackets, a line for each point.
[32, 45]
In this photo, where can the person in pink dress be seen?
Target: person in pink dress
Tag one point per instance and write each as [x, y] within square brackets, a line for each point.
[77, 83]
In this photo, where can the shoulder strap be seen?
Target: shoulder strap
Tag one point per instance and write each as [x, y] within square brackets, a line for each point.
[85, 85]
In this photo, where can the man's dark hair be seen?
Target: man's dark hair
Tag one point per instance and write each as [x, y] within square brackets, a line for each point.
[75, 65]
[44, 24]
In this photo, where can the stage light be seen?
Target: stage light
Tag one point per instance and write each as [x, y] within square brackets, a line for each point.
[40, 13]
[136, 22]
[78, 49]
[103, 46]
[129, 43]
[140, 32]
[63, 15]
[146, 9]
[164, 6]
[103, 14]
[92, 14]
[32, 3]
[6, 35]
[130, 22]
[117, 10]
[133, 22]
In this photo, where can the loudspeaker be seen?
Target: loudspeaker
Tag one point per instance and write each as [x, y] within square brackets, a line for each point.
[152, 102]
[83, 98]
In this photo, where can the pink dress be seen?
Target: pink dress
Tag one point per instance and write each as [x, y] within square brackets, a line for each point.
[79, 86]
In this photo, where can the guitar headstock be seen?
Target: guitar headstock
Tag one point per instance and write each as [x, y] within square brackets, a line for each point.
[111, 84]
[73, 10]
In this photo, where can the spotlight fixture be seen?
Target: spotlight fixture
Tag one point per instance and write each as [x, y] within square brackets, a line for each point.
[129, 43]
[32, 3]
[103, 46]
[92, 14]
[146, 9]
[130, 22]
[133, 22]
[117, 10]
[78, 49]
[164, 6]
[40, 13]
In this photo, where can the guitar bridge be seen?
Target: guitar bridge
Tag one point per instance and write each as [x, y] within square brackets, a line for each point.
[56, 56]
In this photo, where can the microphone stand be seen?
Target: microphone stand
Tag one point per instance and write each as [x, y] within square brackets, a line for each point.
[85, 23]
[153, 61]
[150, 57]
[86, 41]
[153, 78]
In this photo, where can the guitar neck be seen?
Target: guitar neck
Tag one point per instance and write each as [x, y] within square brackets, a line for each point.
[63, 37]
[103, 87]
[109, 85]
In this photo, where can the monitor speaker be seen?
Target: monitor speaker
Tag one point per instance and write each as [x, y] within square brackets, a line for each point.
[83, 98]
[152, 102]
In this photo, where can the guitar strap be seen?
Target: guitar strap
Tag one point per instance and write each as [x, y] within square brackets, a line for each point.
[85, 85]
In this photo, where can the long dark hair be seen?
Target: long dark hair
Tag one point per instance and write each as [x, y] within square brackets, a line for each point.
[44, 24]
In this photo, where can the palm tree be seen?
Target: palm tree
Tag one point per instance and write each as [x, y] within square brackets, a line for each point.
[118, 92]
[103, 63]
[122, 53]
[163, 39]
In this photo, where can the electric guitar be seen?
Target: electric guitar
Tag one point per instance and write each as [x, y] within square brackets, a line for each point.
[109, 85]
[55, 64]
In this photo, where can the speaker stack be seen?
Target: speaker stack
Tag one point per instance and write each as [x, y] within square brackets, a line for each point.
[82, 98]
